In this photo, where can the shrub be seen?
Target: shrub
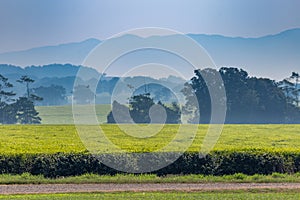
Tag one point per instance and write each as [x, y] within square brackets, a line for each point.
[215, 163]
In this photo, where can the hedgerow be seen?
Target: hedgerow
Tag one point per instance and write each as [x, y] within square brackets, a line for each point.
[215, 163]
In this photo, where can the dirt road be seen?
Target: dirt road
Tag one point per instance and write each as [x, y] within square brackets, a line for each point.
[73, 188]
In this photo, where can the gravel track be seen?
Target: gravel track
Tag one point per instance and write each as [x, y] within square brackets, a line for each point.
[76, 188]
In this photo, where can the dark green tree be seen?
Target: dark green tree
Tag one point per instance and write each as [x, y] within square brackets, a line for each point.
[119, 114]
[138, 111]
[242, 100]
[5, 93]
[296, 90]
[139, 108]
[200, 108]
[173, 113]
[26, 113]
[288, 88]
[52, 95]
[27, 81]
[9, 114]
[82, 94]
[249, 99]
[25, 110]
[270, 105]
[6, 97]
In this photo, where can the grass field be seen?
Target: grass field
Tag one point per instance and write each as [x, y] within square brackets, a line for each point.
[54, 136]
[287, 195]
[63, 114]
[17, 139]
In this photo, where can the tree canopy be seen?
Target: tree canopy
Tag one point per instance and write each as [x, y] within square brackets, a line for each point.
[82, 94]
[249, 99]
[52, 95]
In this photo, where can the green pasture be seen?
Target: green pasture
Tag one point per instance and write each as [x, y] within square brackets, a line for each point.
[63, 114]
[33, 139]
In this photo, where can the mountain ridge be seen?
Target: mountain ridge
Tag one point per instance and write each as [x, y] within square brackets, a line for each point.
[274, 56]
[95, 40]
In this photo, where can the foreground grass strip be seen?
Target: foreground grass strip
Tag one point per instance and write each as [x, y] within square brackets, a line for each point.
[27, 178]
[287, 195]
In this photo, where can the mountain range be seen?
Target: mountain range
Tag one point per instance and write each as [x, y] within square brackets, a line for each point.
[65, 74]
[272, 56]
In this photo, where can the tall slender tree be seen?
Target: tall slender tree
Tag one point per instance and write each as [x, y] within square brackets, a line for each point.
[27, 81]
[7, 114]
[5, 93]
[295, 76]
[26, 112]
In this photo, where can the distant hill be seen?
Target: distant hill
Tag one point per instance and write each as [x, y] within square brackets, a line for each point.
[46, 75]
[73, 53]
[52, 70]
[272, 56]
[65, 75]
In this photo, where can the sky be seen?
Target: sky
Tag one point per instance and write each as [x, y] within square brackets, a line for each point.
[26, 24]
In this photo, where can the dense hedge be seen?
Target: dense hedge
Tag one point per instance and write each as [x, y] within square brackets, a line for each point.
[216, 163]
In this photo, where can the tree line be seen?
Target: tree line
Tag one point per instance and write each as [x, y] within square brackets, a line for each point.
[249, 99]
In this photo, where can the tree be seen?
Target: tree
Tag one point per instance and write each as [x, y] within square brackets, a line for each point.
[27, 81]
[200, 108]
[4, 86]
[25, 110]
[249, 99]
[139, 108]
[22, 111]
[138, 111]
[290, 87]
[82, 94]
[270, 106]
[173, 113]
[6, 113]
[191, 108]
[242, 100]
[9, 114]
[295, 76]
[52, 95]
[26, 113]
[119, 114]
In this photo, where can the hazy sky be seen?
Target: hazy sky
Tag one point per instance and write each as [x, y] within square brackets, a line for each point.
[30, 23]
